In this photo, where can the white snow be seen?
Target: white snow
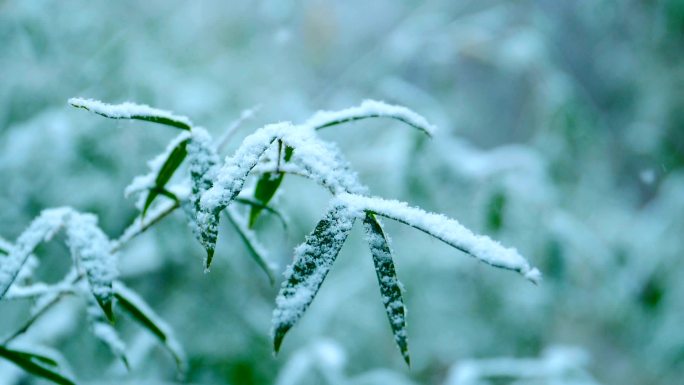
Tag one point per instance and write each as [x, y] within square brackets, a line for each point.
[370, 109]
[128, 110]
[445, 229]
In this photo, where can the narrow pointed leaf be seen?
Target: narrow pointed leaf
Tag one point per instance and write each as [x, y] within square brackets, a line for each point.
[134, 305]
[105, 332]
[390, 288]
[41, 229]
[269, 209]
[255, 249]
[446, 230]
[370, 109]
[203, 161]
[266, 187]
[168, 168]
[90, 247]
[132, 111]
[312, 261]
[37, 365]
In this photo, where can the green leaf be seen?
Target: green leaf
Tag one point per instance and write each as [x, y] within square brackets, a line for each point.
[132, 111]
[255, 250]
[265, 189]
[312, 261]
[253, 203]
[495, 211]
[105, 332]
[390, 288]
[37, 365]
[267, 186]
[171, 164]
[134, 305]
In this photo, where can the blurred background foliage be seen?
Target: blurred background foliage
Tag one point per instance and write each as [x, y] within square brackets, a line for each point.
[561, 133]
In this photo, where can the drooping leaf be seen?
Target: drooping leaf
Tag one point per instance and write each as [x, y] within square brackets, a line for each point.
[390, 288]
[132, 111]
[134, 305]
[370, 109]
[255, 249]
[90, 248]
[203, 161]
[312, 261]
[447, 230]
[105, 332]
[37, 364]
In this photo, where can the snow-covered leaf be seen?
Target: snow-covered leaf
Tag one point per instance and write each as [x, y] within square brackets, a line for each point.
[255, 249]
[37, 364]
[90, 248]
[133, 304]
[105, 332]
[203, 161]
[132, 111]
[390, 288]
[312, 261]
[42, 229]
[370, 109]
[447, 230]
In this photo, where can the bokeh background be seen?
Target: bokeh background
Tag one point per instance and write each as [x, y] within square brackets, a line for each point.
[561, 133]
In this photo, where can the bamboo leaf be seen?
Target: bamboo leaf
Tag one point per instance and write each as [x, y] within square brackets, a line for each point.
[105, 332]
[446, 230]
[36, 364]
[390, 288]
[134, 305]
[370, 109]
[132, 111]
[90, 247]
[265, 189]
[203, 161]
[271, 210]
[255, 249]
[312, 261]
[41, 229]
[168, 168]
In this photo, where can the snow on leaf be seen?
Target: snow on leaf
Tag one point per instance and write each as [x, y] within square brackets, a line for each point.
[312, 261]
[447, 230]
[105, 332]
[390, 288]
[90, 248]
[203, 161]
[133, 304]
[132, 111]
[370, 109]
[255, 249]
[42, 229]
[36, 364]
